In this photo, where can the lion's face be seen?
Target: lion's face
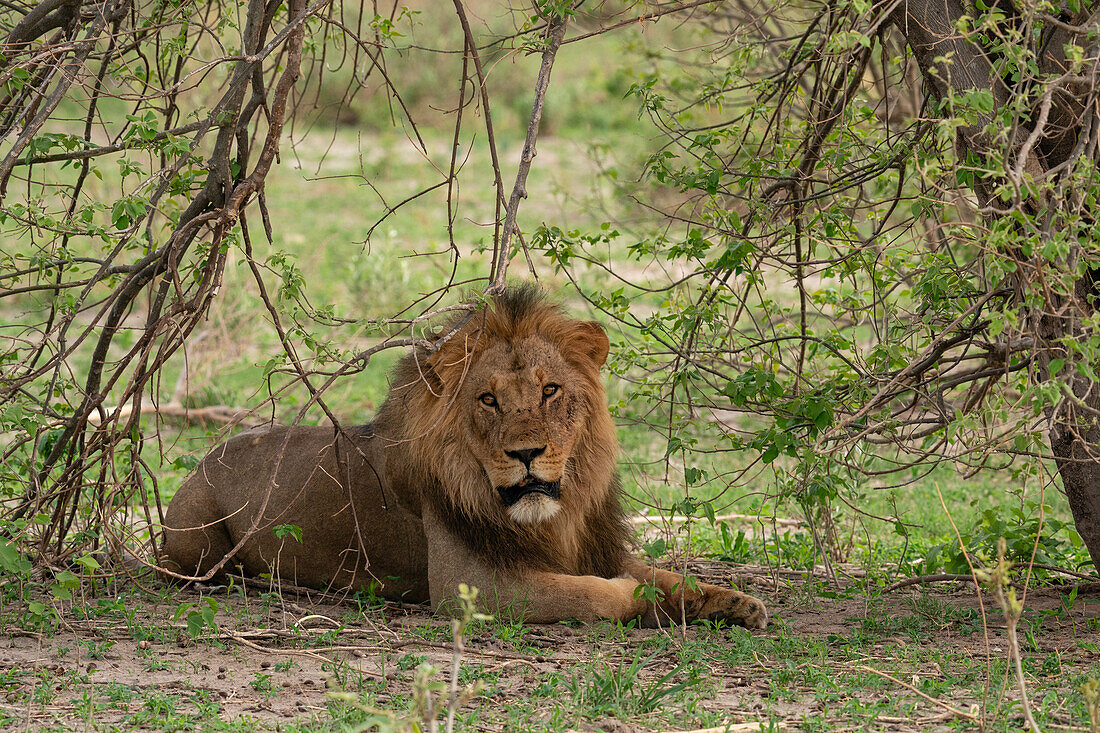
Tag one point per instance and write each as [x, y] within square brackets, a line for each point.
[527, 409]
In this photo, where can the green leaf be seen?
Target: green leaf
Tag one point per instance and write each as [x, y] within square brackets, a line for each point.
[282, 531]
[648, 592]
[186, 463]
[655, 549]
[89, 563]
[12, 560]
[194, 624]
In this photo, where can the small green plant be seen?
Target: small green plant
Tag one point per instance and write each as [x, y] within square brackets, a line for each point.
[200, 616]
[734, 547]
[369, 598]
[650, 592]
[12, 561]
[293, 531]
[67, 584]
[153, 663]
[97, 650]
[512, 634]
[338, 674]
[161, 705]
[262, 683]
[87, 707]
[39, 615]
[1028, 531]
[410, 661]
[1091, 692]
[621, 689]
[430, 632]
[206, 706]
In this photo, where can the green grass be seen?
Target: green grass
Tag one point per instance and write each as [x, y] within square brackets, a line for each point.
[885, 659]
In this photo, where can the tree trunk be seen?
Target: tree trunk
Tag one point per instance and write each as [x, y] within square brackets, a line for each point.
[1080, 471]
[951, 65]
[1074, 424]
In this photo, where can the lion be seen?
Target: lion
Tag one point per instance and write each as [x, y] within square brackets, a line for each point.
[491, 463]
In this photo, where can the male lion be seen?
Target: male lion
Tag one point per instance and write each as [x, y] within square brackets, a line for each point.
[491, 463]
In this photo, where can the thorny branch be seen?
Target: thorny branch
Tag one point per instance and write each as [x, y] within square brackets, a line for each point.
[77, 450]
[870, 227]
[195, 155]
[554, 35]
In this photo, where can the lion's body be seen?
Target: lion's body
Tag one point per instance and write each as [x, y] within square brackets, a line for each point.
[317, 471]
[491, 463]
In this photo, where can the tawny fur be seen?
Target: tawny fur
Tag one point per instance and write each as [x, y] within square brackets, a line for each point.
[414, 502]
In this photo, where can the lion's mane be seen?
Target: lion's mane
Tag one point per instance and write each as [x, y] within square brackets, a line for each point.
[432, 445]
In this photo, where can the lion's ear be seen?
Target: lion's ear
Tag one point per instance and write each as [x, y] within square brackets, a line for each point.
[443, 366]
[451, 361]
[589, 339]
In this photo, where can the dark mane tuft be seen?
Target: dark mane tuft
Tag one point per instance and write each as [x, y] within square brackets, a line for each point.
[519, 302]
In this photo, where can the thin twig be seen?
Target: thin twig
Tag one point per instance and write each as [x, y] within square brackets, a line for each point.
[932, 578]
[1012, 608]
[929, 698]
[554, 36]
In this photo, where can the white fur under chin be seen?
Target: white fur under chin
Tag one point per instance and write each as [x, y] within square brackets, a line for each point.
[534, 508]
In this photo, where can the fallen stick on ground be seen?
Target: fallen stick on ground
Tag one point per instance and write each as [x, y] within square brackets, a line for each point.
[728, 728]
[966, 577]
[658, 519]
[915, 691]
[211, 413]
[933, 578]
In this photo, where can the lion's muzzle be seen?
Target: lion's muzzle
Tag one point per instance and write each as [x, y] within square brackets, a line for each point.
[510, 495]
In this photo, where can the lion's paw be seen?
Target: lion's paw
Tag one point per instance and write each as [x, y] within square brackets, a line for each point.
[735, 607]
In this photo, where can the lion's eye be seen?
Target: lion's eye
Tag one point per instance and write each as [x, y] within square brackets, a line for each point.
[550, 390]
[488, 400]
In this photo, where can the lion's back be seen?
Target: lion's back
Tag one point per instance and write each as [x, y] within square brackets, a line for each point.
[329, 519]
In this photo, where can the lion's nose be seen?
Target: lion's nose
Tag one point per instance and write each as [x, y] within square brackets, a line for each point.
[526, 455]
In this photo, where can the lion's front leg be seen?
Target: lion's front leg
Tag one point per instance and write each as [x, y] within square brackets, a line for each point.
[546, 598]
[531, 597]
[706, 602]
[521, 594]
[551, 597]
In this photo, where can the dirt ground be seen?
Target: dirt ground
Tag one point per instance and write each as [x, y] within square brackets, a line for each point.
[283, 662]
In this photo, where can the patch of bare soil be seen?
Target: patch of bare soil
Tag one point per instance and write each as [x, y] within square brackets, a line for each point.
[909, 660]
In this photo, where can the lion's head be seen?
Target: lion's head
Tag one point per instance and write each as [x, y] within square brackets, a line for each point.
[527, 404]
[510, 412]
